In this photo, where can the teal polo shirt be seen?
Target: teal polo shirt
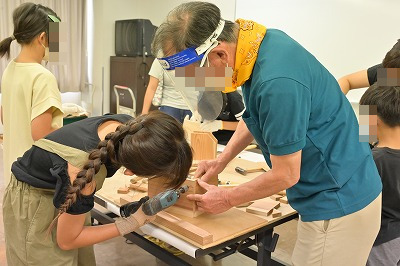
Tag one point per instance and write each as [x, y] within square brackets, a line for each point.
[293, 103]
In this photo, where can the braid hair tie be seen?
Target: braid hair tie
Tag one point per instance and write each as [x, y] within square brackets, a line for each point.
[12, 37]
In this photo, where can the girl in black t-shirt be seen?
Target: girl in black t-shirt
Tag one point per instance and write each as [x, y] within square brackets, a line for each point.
[53, 184]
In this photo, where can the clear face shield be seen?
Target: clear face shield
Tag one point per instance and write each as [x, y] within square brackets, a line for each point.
[200, 84]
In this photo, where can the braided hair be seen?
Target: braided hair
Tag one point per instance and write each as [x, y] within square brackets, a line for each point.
[151, 145]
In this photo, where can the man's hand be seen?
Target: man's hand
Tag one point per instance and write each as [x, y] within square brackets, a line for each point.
[215, 200]
[207, 169]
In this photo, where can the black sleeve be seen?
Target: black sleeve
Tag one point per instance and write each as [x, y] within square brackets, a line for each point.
[372, 73]
[235, 103]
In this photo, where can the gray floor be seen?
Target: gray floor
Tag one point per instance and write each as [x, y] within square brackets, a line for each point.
[117, 252]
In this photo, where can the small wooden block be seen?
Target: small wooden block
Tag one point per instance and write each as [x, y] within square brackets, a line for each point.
[123, 190]
[184, 228]
[282, 193]
[276, 213]
[136, 179]
[284, 200]
[276, 197]
[263, 207]
[258, 211]
[139, 187]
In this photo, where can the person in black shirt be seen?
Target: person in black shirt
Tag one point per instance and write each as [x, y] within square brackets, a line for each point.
[367, 77]
[53, 184]
[386, 249]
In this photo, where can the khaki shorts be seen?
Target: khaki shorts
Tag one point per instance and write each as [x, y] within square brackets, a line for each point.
[342, 241]
[27, 214]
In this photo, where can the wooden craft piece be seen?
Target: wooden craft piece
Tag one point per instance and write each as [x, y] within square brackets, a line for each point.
[123, 190]
[276, 197]
[139, 187]
[136, 179]
[204, 146]
[157, 185]
[282, 193]
[263, 207]
[284, 200]
[189, 127]
[276, 213]
[184, 228]
[223, 227]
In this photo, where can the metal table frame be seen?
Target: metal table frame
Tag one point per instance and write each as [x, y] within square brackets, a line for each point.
[264, 238]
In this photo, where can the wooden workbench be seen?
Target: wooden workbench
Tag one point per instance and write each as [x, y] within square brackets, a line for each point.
[223, 227]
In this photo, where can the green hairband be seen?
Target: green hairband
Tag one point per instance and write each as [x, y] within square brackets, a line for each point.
[54, 18]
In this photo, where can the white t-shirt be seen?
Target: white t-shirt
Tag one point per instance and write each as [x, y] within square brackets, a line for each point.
[28, 90]
[170, 97]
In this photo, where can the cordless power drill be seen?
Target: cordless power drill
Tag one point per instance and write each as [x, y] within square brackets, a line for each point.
[154, 205]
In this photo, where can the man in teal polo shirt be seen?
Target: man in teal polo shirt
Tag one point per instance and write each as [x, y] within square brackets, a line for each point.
[305, 127]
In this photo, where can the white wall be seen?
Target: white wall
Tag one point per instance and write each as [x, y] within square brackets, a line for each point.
[105, 14]
[345, 35]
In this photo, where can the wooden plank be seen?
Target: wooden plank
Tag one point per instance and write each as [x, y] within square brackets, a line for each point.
[222, 227]
[184, 228]
[204, 146]
[284, 200]
[126, 199]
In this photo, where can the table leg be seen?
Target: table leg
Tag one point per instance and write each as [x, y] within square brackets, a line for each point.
[266, 243]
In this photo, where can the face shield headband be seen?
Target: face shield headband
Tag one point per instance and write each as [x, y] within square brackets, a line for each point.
[192, 55]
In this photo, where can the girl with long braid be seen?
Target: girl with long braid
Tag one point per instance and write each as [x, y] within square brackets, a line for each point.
[53, 184]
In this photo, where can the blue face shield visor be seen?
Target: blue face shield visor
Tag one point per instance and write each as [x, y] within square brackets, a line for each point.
[192, 55]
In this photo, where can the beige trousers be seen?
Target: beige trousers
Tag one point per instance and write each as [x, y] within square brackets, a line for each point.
[342, 241]
[27, 214]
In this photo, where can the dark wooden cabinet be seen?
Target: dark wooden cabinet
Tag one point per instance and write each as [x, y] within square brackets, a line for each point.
[131, 72]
